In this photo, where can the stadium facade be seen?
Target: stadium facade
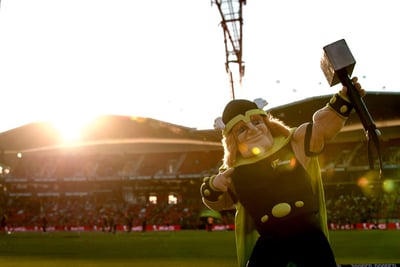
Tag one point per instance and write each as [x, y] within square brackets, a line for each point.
[122, 162]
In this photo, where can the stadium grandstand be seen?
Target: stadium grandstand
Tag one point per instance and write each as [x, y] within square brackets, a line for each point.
[128, 173]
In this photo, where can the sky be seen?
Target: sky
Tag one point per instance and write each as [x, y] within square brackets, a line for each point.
[69, 61]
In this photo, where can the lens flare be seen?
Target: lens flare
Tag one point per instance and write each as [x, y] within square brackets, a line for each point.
[293, 162]
[388, 186]
[370, 183]
[242, 147]
[256, 151]
[362, 182]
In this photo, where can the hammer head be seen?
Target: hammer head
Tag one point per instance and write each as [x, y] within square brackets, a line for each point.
[337, 57]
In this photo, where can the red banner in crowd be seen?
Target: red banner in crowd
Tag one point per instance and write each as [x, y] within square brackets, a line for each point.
[216, 227]
[365, 226]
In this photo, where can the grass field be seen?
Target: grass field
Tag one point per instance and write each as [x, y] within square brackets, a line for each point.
[177, 249]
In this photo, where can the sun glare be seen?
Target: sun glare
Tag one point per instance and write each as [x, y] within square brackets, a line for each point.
[70, 128]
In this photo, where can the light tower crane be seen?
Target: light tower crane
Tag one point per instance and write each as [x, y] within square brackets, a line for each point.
[231, 23]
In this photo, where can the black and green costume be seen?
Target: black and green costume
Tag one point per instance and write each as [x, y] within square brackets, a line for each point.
[280, 205]
[283, 201]
[276, 201]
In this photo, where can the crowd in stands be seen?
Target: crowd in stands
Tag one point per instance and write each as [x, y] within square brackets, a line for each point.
[346, 202]
[87, 211]
[345, 205]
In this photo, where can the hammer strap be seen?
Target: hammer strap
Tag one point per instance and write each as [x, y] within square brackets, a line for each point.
[340, 105]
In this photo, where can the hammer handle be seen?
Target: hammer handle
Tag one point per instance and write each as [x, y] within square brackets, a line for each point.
[357, 101]
[365, 118]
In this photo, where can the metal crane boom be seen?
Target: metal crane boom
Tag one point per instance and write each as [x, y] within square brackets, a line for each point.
[232, 21]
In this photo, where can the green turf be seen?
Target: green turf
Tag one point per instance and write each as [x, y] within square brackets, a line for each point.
[373, 246]
[177, 249]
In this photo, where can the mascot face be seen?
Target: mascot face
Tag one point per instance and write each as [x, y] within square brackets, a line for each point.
[252, 136]
[245, 121]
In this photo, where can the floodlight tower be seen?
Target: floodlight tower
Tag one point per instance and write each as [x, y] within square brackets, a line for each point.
[232, 21]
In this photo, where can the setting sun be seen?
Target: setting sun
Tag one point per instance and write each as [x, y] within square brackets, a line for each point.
[70, 127]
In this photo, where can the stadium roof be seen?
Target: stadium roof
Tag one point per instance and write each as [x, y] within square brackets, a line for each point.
[110, 134]
[144, 135]
[384, 108]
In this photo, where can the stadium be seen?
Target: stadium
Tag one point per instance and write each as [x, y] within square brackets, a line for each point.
[126, 192]
[131, 173]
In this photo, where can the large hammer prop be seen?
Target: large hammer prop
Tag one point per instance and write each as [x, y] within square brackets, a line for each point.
[337, 63]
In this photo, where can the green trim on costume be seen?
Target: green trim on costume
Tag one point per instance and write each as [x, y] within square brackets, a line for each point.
[246, 118]
[278, 143]
[245, 235]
